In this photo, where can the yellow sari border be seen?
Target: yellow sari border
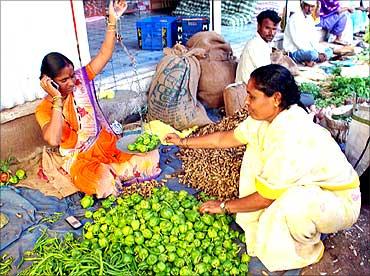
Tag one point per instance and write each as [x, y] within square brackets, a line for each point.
[265, 190]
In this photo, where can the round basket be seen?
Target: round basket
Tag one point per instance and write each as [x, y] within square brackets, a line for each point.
[338, 128]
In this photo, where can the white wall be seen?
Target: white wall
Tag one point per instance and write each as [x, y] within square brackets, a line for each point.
[30, 30]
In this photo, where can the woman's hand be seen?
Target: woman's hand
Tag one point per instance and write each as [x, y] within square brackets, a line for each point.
[45, 84]
[116, 9]
[173, 138]
[211, 207]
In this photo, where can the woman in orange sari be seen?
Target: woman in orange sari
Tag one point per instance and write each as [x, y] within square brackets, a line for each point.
[70, 118]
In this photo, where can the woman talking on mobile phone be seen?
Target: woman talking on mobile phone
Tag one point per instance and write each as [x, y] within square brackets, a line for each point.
[71, 119]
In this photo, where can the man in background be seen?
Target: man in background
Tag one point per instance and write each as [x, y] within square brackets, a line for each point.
[301, 39]
[257, 51]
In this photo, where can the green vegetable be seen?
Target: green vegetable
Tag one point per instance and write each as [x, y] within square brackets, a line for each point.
[145, 142]
[87, 201]
[13, 179]
[143, 236]
[21, 174]
[151, 260]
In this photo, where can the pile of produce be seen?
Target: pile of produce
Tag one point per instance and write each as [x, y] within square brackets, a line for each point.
[5, 264]
[161, 235]
[214, 171]
[7, 177]
[338, 90]
[144, 143]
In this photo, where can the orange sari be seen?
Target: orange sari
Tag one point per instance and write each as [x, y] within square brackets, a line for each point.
[89, 145]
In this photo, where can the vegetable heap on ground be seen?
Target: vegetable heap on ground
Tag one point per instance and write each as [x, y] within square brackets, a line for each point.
[163, 235]
[338, 90]
[7, 176]
[144, 143]
[214, 171]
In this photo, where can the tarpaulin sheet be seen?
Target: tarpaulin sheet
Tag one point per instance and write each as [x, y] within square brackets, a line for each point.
[26, 209]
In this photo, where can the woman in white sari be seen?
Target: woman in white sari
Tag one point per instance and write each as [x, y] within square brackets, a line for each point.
[295, 183]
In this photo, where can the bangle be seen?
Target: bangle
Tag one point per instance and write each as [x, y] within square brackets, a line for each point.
[58, 103]
[57, 97]
[58, 109]
[109, 30]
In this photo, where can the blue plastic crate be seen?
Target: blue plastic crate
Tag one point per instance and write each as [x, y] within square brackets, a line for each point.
[190, 25]
[156, 32]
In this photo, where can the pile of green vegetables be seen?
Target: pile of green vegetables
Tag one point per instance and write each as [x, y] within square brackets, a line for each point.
[338, 91]
[162, 235]
[7, 177]
[144, 143]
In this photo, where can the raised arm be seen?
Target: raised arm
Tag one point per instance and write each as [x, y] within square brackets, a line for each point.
[116, 9]
[223, 139]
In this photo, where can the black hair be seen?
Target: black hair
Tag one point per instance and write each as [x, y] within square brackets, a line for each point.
[270, 14]
[52, 63]
[276, 78]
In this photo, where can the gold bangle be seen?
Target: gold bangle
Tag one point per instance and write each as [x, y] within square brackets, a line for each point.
[57, 97]
[112, 24]
[111, 30]
[58, 109]
[58, 103]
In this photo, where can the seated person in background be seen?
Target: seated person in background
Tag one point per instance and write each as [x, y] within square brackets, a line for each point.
[257, 51]
[358, 17]
[295, 182]
[333, 19]
[301, 39]
[70, 118]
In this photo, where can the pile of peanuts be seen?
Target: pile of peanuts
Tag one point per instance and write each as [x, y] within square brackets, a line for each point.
[214, 171]
[143, 188]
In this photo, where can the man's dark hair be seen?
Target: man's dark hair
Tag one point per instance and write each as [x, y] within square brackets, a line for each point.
[270, 14]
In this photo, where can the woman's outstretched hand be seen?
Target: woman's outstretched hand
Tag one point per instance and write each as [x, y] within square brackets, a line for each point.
[117, 8]
[173, 138]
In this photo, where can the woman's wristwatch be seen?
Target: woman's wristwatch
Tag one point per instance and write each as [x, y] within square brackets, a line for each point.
[224, 207]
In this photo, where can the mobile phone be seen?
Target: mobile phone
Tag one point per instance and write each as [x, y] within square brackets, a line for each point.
[55, 85]
[75, 223]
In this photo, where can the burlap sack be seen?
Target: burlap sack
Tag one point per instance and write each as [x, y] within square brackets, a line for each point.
[173, 92]
[278, 57]
[218, 67]
[234, 97]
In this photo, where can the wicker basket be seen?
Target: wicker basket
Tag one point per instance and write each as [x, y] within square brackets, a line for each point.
[338, 128]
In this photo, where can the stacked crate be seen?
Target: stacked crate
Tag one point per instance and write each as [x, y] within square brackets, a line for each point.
[158, 32]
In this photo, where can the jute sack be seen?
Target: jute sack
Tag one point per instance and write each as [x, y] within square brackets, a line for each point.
[173, 91]
[234, 98]
[218, 67]
[278, 57]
